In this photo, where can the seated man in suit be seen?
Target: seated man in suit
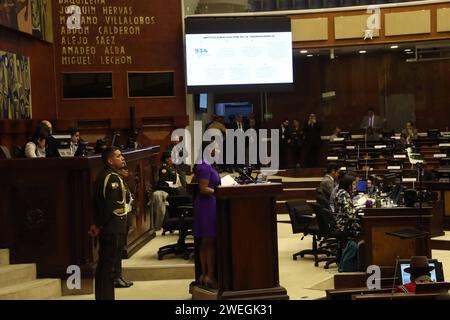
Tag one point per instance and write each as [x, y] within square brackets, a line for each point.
[74, 139]
[51, 149]
[179, 157]
[372, 125]
[419, 270]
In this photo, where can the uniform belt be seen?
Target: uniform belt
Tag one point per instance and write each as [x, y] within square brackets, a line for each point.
[120, 217]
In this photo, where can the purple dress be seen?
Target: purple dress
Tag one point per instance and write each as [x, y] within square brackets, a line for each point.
[205, 205]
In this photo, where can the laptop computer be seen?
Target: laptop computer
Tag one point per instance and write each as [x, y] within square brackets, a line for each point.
[437, 275]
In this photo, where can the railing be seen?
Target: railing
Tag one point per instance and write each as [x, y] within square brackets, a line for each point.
[272, 5]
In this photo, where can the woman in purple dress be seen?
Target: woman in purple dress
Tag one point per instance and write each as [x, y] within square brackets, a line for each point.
[205, 219]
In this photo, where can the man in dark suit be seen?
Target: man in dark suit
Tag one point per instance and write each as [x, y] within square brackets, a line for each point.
[111, 200]
[51, 149]
[311, 133]
[372, 125]
[285, 141]
[239, 124]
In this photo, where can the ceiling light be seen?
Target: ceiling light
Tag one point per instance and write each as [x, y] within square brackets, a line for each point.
[394, 47]
[362, 51]
[304, 51]
[309, 55]
[408, 50]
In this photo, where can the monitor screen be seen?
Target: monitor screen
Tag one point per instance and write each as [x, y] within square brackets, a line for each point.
[89, 85]
[361, 187]
[60, 145]
[115, 140]
[203, 102]
[436, 274]
[62, 141]
[238, 53]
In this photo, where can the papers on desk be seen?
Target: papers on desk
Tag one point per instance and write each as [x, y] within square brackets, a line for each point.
[444, 145]
[338, 139]
[360, 201]
[332, 158]
[350, 147]
[393, 167]
[399, 156]
[228, 181]
[439, 155]
[409, 180]
[380, 146]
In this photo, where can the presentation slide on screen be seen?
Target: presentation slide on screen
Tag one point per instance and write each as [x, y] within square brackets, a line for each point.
[239, 58]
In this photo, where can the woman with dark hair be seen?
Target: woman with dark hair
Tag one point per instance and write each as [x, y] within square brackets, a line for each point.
[35, 147]
[205, 216]
[347, 217]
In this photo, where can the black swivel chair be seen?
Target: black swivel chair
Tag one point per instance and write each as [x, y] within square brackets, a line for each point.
[178, 216]
[303, 221]
[5, 153]
[334, 240]
[18, 152]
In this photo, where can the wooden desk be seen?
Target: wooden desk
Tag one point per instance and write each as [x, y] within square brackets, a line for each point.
[46, 210]
[382, 249]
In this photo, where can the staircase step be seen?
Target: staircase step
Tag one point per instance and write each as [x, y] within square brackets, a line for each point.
[39, 289]
[163, 272]
[16, 273]
[4, 257]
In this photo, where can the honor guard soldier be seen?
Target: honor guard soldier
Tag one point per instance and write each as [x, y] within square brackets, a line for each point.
[167, 172]
[119, 281]
[110, 221]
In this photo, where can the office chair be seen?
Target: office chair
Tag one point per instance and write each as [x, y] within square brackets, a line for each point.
[322, 200]
[178, 216]
[303, 221]
[444, 162]
[4, 152]
[332, 240]
[18, 152]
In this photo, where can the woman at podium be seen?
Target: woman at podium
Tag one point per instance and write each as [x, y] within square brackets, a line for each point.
[205, 218]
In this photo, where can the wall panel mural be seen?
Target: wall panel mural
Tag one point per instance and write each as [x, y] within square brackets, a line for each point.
[30, 16]
[15, 86]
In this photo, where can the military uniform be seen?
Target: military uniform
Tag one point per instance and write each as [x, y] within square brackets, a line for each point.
[129, 209]
[167, 172]
[111, 198]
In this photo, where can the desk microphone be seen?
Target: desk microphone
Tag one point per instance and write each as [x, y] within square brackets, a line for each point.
[395, 277]
[245, 174]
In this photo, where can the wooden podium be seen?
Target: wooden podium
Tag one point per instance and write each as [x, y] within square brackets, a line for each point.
[383, 249]
[247, 245]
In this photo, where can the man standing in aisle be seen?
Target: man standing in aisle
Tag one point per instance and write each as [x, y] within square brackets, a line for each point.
[372, 125]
